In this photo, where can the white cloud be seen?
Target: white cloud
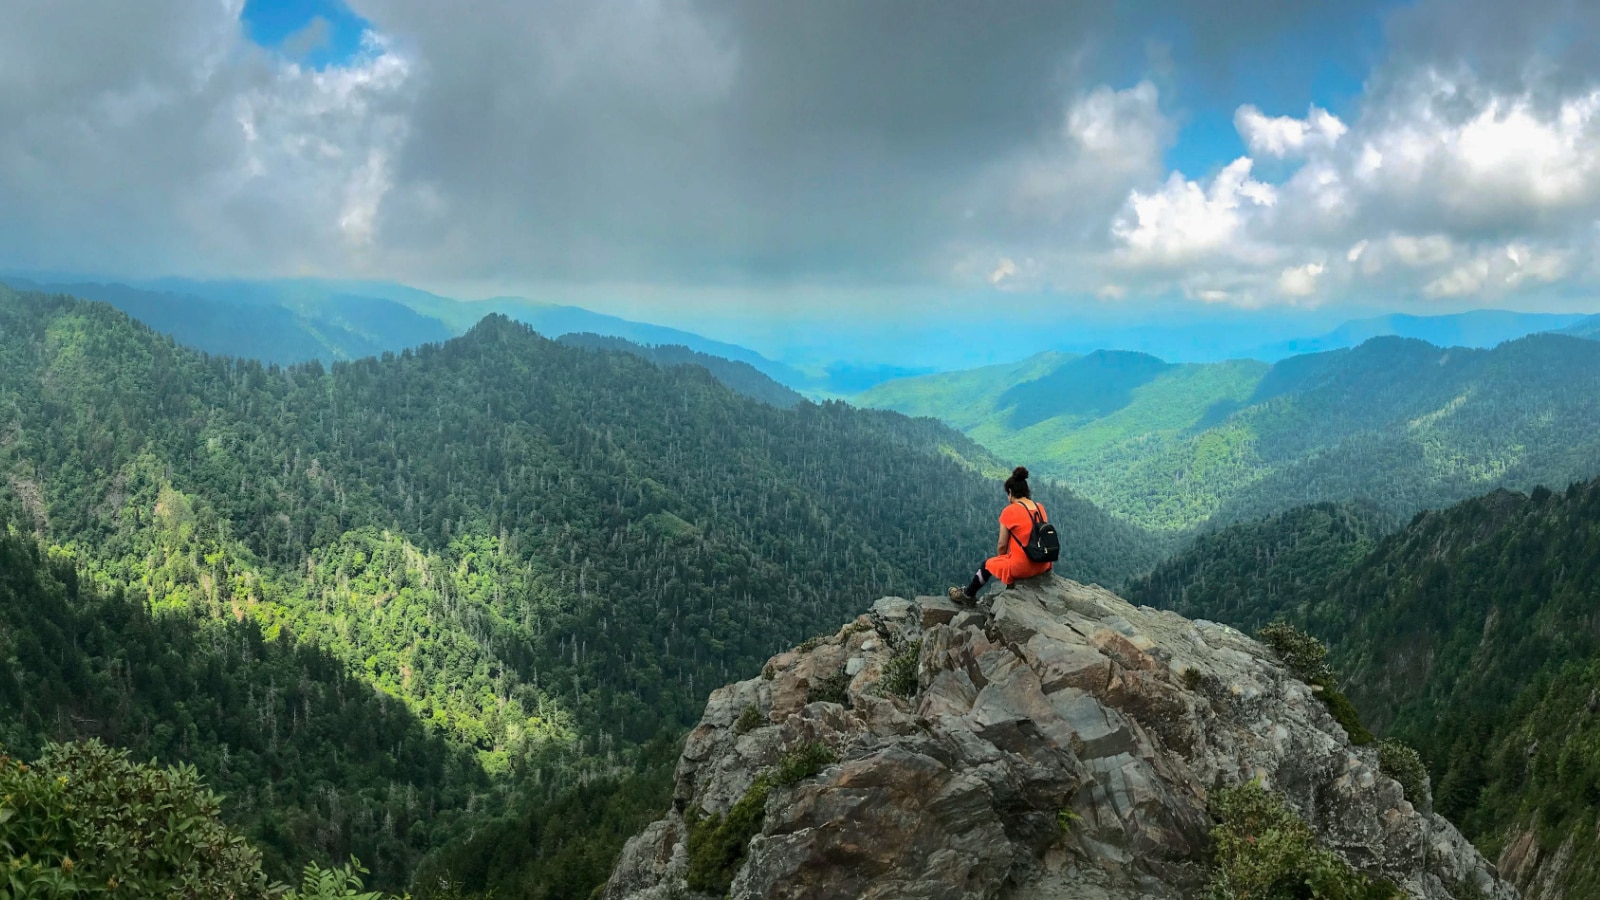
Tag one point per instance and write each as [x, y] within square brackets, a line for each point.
[1006, 268]
[1284, 136]
[1300, 281]
[1182, 221]
[1468, 278]
[165, 142]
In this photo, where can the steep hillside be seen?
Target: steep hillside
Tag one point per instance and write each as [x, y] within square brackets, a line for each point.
[544, 553]
[313, 762]
[1057, 743]
[1253, 572]
[1398, 423]
[1471, 633]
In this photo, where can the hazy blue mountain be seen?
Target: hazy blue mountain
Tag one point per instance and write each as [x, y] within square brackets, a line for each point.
[250, 329]
[1585, 328]
[287, 321]
[1480, 328]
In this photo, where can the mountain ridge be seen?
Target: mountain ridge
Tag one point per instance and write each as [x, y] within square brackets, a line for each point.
[1394, 421]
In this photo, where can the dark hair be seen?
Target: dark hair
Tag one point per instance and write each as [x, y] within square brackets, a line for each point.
[1017, 484]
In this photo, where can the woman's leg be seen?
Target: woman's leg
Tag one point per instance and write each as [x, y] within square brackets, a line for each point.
[983, 577]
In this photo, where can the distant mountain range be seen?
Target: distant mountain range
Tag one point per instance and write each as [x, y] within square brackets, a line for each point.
[297, 320]
[1585, 328]
[1399, 422]
[1479, 328]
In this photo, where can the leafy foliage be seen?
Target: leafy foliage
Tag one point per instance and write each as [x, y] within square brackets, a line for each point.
[84, 819]
[557, 844]
[1264, 851]
[1303, 654]
[317, 764]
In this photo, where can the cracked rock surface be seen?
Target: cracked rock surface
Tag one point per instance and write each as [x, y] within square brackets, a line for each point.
[1056, 704]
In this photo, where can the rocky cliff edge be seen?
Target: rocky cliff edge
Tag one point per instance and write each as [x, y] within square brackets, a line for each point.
[1057, 743]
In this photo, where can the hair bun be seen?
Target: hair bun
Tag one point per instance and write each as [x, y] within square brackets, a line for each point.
[1020, 473]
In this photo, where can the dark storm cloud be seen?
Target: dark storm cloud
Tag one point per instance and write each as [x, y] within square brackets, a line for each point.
[766, 138]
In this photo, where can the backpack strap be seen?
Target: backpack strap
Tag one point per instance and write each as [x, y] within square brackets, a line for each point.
[1033, 515]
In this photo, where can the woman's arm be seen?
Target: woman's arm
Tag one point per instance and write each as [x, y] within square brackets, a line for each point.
[1005, 541]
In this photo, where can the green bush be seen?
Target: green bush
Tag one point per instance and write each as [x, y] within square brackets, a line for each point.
[803, 762]
[1345, 713]
[900, 672]
[1400, 762]
[1262, 850]
[717, 843]
[1301, 653]
[1307, 658]
[85, 819]
[833, 689]
[749, 719]
[338, 883]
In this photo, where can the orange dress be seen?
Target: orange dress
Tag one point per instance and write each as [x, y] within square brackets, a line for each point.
[1015, 564]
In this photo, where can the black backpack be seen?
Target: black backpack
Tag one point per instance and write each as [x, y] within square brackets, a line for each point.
[1043, 545]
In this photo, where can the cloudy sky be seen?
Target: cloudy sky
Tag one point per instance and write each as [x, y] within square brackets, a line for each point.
[880, 157]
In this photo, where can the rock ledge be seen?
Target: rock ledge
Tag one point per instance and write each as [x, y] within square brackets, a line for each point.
[1058, 697]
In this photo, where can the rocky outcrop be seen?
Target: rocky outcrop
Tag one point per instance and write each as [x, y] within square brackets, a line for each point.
[1059, 743]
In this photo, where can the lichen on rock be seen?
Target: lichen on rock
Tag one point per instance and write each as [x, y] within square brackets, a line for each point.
[1057, 703]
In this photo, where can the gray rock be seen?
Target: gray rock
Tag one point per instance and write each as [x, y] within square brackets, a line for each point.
[1065, 698]
[937, 610]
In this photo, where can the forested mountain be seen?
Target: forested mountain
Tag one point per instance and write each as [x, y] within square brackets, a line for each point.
[1399, 423]
[1470, 633]
[545, 555]
[741, 376]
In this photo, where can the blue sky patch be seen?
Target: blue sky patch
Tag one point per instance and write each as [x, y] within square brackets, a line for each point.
[317, 33]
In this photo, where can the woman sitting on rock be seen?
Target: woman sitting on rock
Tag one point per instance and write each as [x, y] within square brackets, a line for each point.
[1018, 522]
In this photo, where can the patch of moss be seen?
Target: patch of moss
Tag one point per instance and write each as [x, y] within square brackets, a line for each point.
[717, 844]
[1262, 850]
[900, 672]
[833, 689]
[1193, 678]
